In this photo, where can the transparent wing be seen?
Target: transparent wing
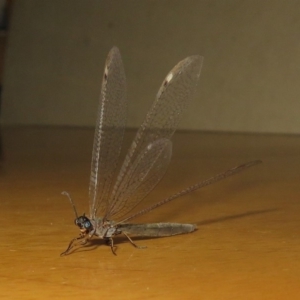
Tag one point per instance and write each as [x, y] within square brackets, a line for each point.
[111, 118]
[160, 123]
[196, 186]
[142, 176]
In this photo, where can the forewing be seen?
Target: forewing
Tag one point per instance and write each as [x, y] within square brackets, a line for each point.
[110, 124]
[162, 119]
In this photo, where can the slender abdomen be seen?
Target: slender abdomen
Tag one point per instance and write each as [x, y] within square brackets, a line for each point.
[157, 229]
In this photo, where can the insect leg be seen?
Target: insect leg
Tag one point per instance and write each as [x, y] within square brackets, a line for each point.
[71, 245]
[110, 242]
[133, 243]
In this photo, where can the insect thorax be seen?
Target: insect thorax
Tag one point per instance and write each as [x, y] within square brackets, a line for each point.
[104, 229]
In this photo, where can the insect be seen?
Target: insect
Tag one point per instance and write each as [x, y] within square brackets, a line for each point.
[146, 161]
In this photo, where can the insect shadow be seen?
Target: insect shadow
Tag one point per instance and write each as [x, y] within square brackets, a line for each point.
[236, 216]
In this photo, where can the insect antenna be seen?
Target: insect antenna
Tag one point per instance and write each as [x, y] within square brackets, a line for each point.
[72, 203]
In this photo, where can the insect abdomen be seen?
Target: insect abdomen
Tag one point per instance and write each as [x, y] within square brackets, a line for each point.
[157, 229]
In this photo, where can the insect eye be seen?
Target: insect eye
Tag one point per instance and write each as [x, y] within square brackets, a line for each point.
[87, 224]
[83, 222]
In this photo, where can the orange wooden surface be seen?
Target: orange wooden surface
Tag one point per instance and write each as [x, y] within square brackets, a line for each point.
[247, 245]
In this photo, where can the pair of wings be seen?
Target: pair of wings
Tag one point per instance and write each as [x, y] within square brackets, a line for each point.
[150, 152]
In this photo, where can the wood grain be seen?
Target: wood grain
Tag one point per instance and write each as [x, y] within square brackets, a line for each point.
[247, 245]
